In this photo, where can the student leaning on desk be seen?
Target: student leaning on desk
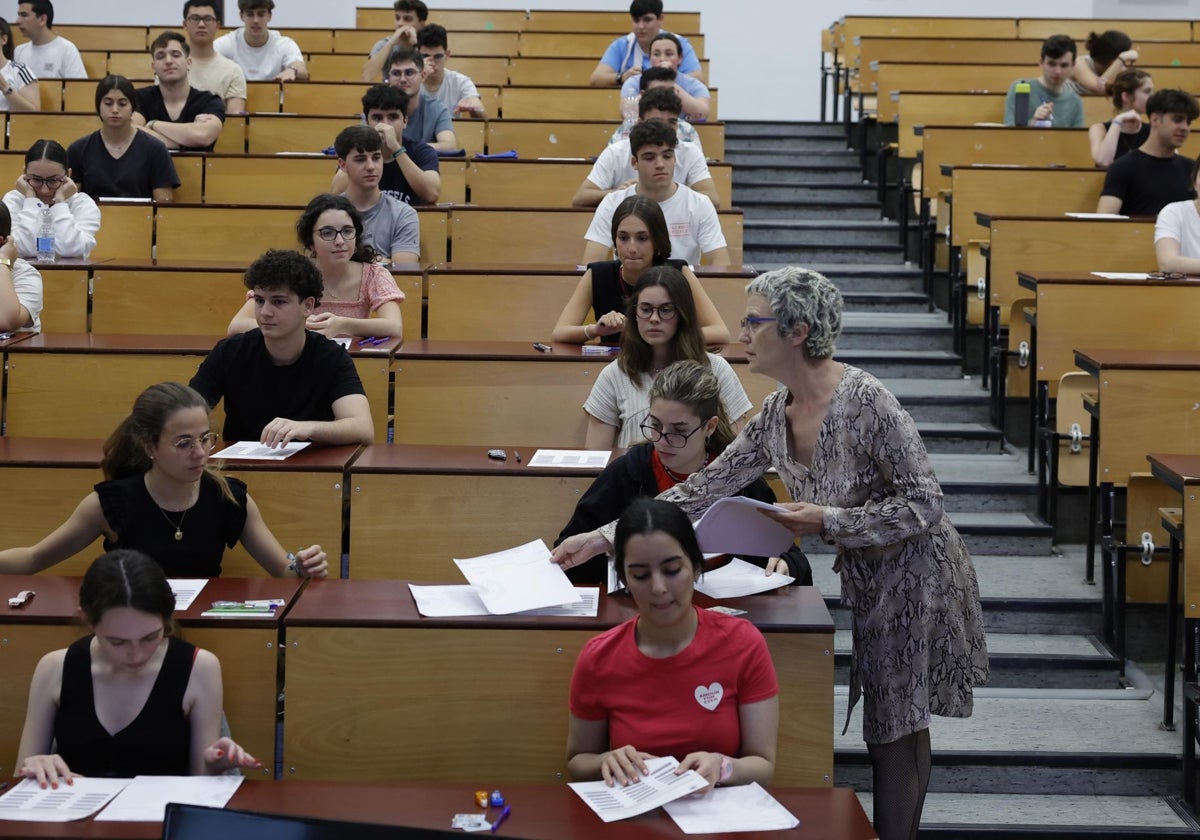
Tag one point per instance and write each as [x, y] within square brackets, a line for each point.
[161, 497]
[130, 698]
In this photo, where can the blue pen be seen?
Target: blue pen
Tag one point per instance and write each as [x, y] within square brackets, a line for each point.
[368, 340]
[377, 341]
[503, 815]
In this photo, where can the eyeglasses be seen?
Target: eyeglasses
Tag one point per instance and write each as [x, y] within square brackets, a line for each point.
[329, 234]
[674, 439]
[53, 183]
[404, 74]
[1153, 275]
[754, 320]
[435, 57]
[665, 312]
[207, 442]
[205, 19]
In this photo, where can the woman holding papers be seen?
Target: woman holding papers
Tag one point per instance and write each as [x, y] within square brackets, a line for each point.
[162, 497]
[661, 327]
[641, 240]
[131, 698]
[853, 460]
[634, 691]
[688, 428]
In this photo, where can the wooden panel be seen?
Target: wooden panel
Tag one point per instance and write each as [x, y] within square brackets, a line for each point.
[187, 302]
[1029, 147]
[323, 98]
[464, 306]
[536, 138]
[471, 133]
[301, 508]
[91, 37]
[284, 180]
[1008, 191]
[50, 92]
[312, 40]
[452, 19]
[531, 103]
[265, 97]
[65, 298]
[190, 168]
[95, 63]
[1127, 398]
[131, 65]
[236, 233]
[495, 43]
[127, 231]
[561, 20]
[12, 165]
[1019, 329]
[28, 126]
[526, 183]
[580, 43]
[1078, 28]
[268, 134]
[335, 67]
[484, 70]
[375, 373]
[24, 647]
[1191, 568]
[48, 496]
[232, 139]
[508, 236]
[453, 172]
[435, 235]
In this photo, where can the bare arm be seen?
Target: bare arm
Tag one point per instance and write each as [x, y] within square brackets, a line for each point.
[204, 696]
[243, 321]
[82, 527]
[1109, 204]
[712, 325]
[594, 252]
[33, 755]
[447, 141]
[590, 195]
[588, 755]
[28, 98]
[472, 105]
[268, 553]
[720, 256]
[165, 194]
[202, 132]
[604, 76]
[600, 435]
[708, 187]
[570, 326]
[386, 323]
[405, 257]
[297, 71]
[1169, 258]
[13, 314]
[1104, 143]
[235, 105]
[696, 107]
[373, 68]
[352, 423]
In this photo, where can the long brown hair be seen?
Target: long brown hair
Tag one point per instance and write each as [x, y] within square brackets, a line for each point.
[696, 386]
[637, 358]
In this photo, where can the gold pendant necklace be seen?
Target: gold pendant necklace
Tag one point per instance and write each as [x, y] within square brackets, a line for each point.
[177, 526]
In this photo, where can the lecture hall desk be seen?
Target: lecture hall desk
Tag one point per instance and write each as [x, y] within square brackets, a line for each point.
[1181, 473]
[248, 650]
[376, 691]
[539, 812]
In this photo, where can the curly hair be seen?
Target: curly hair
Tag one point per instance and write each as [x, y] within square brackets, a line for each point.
[800, 296]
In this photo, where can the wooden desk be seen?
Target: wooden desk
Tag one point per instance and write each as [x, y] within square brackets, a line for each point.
[540, 138]
[540, 812]
[1012, 191]
[1181, 473]
[65, 293]
[358, 652]
[248, 650]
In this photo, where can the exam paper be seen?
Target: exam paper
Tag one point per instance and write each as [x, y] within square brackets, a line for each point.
[145, 798]
[1096, 216]
[658, 788]
[185, 591]
[733, 525]
[462, 599]
[583, 459]
[252, 450]
[27, 801]
[518, 579]
[1122, 275]
[739, 578]
[736, 808]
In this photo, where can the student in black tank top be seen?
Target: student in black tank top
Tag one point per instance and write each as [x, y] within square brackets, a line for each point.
[1125, 131]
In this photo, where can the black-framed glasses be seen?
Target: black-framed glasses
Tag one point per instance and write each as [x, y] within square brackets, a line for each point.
[329, 234]
[665, 312]
[207, 442]
[207, 19]
[1160, 275]
[53, 183]
[754, 321]
[678, 440]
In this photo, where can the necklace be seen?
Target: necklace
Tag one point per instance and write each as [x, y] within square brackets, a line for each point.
[177, 526]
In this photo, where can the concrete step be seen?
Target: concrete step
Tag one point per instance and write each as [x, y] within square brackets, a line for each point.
[940, 364]
[744, 133]
[768, 257]
[960, 438]
[943, 400]
[840, 190]
[752, 159]
[892, 302]
[867, 277]
[784, 211]
[992, 532]
[912, 330]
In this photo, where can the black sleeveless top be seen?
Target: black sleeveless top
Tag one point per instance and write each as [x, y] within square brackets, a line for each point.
[1126, 143]
[607, 294]
[156, 743]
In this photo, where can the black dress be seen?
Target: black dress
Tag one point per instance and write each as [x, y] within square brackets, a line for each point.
[608, 294]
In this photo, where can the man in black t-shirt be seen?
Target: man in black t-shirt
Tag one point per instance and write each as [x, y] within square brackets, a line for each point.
[179, 115]
[281, 382]
[1152, 176]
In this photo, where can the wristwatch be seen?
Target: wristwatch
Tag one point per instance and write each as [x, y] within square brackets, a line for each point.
[6, 262]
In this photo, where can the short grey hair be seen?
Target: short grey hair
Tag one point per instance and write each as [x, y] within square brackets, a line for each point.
[800, 296]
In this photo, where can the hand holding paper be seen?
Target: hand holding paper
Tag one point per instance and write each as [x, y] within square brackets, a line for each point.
[737, 525]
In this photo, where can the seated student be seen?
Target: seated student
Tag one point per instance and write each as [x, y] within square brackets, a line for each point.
[20, 284]
[1177, 233]
[263, 55]
[410, 167]
[173, 111]
[47, 54]
[1051, 99]
[46, 182]
[659, 77]
[161, 496]
[331, 231]
[18, 85]
[660, 328]
[687, 428]
[1108, 54]
[1126, 131]
[665, 51]
[209, 69]
[634, 690]
[281, 382]
[630, 54]
[641, 240]
[131, 698]
[428, 119]
[411, 16]
[1150, 177]
[121, 160]
[613, 172]
[691, 217]
[453, 89]
[390, 226]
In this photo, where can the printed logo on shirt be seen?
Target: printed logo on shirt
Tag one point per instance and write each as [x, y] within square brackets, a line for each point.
[710, 696]
[680, 228]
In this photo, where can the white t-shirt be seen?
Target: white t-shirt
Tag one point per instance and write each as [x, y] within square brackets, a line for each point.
[27, 284]
[617, 401]
[18, 76]
[1180, 221]
[613, 167]
[55, 59]
[691, 220]
[455, 87]
[260, 64]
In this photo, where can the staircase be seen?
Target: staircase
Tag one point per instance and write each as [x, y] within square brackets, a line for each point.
[1060, 744]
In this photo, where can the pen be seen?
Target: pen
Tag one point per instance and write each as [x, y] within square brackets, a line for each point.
[518, 454]
[503, 815]
[368, 340]
[543, 348]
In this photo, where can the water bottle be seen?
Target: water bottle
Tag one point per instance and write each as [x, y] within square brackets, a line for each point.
[1021, 103]
[45, 237]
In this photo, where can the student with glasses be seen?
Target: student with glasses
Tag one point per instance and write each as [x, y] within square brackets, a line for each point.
[661, 327]
[360, 298]
[161, 496]
[46, 182]
[685, 429]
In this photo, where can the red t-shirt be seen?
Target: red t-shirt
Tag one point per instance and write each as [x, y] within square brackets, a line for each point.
[684, 703]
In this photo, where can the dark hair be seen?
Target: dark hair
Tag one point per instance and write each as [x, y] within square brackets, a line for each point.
[357, 138]
[696, 386]
[247, 5]
[117, 83]
[167, 37]
[659, 98]
[5, 221]
[654, 132]
[1105, 47]
[667, 36]
[636, 357]
[647, 515]
[651, 214]
[1126, 82]
[306, 225]
[1172, 101]
[215, 5]
[50, 150]
[280, 269]
[645, 7]
[41, 7]
[125, 578]
[384, 98]
[1056, 46]
[400, 54]
[433, 35]
[657, 74]
[6, 31]
[412, 6]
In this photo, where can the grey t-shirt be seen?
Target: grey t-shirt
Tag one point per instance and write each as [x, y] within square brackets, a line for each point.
[391, 226]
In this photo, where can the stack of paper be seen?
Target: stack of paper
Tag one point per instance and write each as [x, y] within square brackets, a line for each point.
[658, 787]
[736, 525]
[738, 808]
[739, 578]
[252, 450]
[28, 801]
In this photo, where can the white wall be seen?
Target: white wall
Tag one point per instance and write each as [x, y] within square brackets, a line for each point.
[765, 54]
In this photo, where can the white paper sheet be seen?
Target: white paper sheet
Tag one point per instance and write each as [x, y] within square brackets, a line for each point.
[518, 579]
[658, 788]
[582, 459]
[739, 578]
[462, 599]
[738, 808]
[1096, 216]
[252, 450]
[145, 798]
[27, 801]
[733, 525]
[1122, 275]
[185, 591]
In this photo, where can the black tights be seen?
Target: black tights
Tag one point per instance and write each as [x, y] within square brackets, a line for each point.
[900, 775]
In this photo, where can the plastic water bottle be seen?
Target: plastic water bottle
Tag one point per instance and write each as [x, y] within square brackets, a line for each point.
[1021, 112]
[45, 237]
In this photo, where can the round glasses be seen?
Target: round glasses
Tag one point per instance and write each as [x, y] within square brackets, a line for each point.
[678, 440]
[207, 442]
[38, 183]
[329, 234]
[645, 311]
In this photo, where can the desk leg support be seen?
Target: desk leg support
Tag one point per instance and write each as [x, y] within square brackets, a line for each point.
[1093, 501]
[1168, 721]
[927, 248]
[1191, 641]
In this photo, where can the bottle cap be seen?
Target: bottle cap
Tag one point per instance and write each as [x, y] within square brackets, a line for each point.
[1022, 87]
